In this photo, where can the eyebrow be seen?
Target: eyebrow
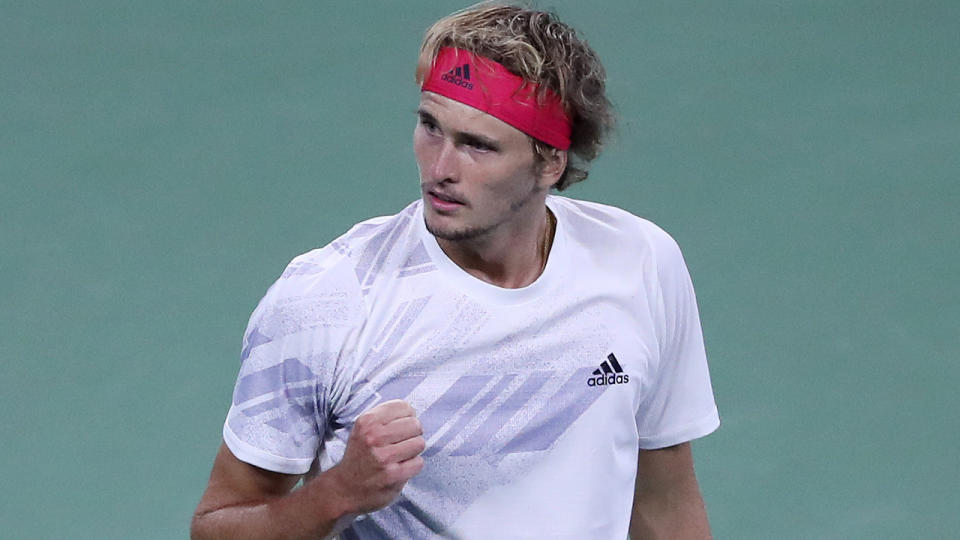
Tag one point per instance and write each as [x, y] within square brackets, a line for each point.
[461, 137]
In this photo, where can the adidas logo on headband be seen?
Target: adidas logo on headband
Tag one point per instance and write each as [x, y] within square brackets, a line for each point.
[459, 76]
[489, 87]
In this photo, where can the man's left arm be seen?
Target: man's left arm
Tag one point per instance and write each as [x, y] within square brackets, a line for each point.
[666, 500]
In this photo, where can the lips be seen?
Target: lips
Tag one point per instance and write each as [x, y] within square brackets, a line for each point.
[444, 202]
[446, 198]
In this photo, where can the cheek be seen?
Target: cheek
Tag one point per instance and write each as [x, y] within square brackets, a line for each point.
[420, 149]
[510, 183]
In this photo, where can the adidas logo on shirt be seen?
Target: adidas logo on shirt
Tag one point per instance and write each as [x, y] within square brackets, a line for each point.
[459, 76]
[609, 372]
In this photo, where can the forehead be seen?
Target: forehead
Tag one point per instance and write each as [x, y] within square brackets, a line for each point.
[453, 115]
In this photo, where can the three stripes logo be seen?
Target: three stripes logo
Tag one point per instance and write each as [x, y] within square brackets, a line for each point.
[459, 76]
[609, 372]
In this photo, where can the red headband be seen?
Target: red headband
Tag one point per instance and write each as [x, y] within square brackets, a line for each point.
[488, 86]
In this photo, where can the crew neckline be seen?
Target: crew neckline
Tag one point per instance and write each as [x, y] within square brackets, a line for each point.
[477, 288]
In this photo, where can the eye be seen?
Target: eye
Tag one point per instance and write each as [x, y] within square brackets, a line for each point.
[429, 126]
[480, 146]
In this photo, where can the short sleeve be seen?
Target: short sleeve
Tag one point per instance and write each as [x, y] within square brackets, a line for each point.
[291, 348]
[679, 404]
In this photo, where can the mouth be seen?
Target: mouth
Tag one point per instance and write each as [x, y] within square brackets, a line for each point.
[444, 201]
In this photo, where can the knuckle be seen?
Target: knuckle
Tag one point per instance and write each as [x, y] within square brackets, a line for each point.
[420, 444]
[414, 466]
[399, 407]
[392, 473]
[382, 456]
[362, 422]
[392, 405]
[370, 439]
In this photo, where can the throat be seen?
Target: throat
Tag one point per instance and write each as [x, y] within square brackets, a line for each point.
[512, 264]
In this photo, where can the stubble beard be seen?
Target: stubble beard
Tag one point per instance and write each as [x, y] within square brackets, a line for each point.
[478, 231]
[457, 235]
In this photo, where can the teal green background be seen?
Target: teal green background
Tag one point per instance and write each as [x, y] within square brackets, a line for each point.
[160, 162]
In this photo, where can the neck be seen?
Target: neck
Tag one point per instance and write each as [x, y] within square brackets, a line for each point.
[509, 259]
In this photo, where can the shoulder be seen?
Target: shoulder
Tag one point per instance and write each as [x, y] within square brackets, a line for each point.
[615, 231]
[344, 262]
[324, 286]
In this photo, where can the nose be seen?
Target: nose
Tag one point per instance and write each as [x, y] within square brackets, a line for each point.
[445, 165]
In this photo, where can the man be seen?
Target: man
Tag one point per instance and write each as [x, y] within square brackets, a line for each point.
[491, 362]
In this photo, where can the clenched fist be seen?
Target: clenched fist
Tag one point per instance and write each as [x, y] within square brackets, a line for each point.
[382, 453]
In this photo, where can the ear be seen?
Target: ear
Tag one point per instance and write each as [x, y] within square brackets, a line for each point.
[552, 168]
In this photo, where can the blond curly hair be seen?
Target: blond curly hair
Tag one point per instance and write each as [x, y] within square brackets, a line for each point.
[538, 47]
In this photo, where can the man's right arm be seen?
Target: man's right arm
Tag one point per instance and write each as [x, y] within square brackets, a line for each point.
[243, 501]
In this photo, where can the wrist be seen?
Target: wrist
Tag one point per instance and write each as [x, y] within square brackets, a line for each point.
[329, 490]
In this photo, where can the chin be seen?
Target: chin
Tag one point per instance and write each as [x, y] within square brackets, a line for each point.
[453, 233]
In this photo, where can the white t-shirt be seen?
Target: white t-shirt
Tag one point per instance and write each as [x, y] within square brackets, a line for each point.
[534, 401]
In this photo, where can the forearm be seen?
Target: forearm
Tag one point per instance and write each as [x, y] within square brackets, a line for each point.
[667, 503]
[244, 501]
[310, 512]
[680, 517]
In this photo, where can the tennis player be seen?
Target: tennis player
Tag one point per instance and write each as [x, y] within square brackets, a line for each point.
[493, 361]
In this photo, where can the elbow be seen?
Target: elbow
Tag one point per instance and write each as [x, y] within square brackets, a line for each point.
[201, 526]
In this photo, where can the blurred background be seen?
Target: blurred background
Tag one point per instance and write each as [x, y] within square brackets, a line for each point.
[160, 162]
